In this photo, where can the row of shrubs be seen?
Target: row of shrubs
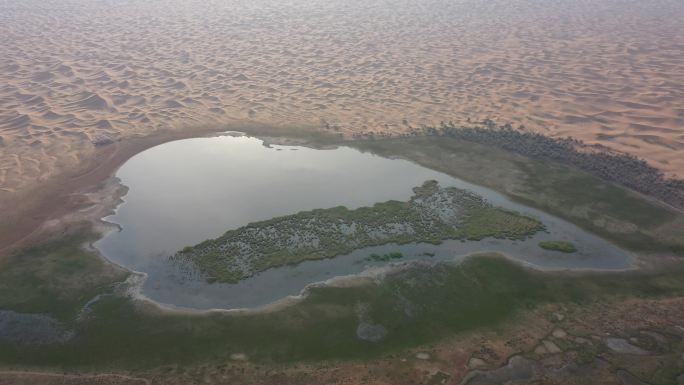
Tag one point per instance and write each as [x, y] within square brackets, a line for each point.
[600, 161]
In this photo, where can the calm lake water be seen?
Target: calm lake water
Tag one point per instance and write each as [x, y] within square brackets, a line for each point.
[184, 192]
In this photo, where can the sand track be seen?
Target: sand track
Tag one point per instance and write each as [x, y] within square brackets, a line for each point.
[30, 377]
[608, 71]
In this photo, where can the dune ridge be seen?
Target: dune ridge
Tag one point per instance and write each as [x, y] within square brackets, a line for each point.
[72, 72]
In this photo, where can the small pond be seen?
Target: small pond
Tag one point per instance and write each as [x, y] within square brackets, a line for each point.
[184, 192]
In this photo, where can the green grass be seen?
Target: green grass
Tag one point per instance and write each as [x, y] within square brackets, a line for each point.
[562, 246]
[416, 306]
[57, 278]
[498, 223]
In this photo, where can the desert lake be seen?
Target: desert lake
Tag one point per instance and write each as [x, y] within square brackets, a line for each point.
[184, 192]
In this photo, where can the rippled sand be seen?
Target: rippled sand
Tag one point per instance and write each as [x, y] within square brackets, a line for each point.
[605, 71]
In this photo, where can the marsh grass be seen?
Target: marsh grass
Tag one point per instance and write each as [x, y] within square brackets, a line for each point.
[416, 306]
[432, 215]
[562, 246]
[55, 278]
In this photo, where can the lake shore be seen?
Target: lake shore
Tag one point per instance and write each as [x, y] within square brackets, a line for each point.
[97, 198]
[336, 330]
[32, 216]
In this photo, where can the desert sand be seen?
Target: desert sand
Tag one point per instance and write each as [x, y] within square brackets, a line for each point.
[76, 72]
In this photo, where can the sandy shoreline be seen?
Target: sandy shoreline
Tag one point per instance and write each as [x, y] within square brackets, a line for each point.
[24, 216]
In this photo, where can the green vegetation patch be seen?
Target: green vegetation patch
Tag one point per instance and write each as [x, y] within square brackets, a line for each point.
[385, 257]
[56, 278]
[562, 246]
[433, 214]
[412, 306]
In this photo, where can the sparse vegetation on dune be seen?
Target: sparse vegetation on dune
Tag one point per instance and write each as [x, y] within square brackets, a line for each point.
[620, 168]
[433, 214]
[616, 167]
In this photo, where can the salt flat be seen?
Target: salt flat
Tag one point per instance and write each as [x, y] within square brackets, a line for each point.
[606, 71]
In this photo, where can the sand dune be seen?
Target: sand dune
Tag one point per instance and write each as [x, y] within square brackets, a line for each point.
[604, 71]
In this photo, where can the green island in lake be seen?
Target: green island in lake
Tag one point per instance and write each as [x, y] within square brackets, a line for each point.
[562, 246]
[432, 215]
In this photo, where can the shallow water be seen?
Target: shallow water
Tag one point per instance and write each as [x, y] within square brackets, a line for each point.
[184, 192]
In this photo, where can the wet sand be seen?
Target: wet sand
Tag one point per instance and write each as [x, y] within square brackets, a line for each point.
[76, 72]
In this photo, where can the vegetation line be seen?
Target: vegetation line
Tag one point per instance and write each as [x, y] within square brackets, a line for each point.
[624, 169]
[600, 161]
